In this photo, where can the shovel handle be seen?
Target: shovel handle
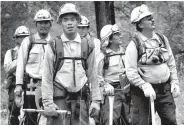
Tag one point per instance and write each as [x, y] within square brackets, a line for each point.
[42, 111]
[152, 111]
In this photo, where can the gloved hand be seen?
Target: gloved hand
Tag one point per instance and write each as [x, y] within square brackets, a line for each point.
[175, 90]
[50, 109]
[18, 95]
[148, 91]
[108, 89]
[94, 109]
[18, 90]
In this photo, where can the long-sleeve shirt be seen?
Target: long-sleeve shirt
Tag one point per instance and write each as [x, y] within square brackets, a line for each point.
[154, 73]
[32, 64]
[10, 61]
[64, 76]
[116, 67]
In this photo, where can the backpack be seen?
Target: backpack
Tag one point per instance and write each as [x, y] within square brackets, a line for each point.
[87, 47]
[140, 46]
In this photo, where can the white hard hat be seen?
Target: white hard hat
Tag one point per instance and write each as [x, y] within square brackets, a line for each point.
[84, 22]
[140, 12]
[21, 31]
[68, 8]
[43, 15]
[106, 31]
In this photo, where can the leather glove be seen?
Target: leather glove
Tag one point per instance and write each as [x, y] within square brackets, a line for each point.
[148, 91]
[108, 89]
[18, 95]
[175, 90]
[50, 109]
[94, 109]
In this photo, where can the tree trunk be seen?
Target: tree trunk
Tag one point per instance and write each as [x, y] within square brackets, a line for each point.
[105, 14]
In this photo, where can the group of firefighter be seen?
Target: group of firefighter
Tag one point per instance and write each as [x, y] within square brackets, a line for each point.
[67, 79]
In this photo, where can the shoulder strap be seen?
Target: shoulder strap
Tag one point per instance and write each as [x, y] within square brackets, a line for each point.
[87, 46]
[138, 45]
[58, 50]
[162, 39]
[12, 54]
[107, 58]
[31, 40]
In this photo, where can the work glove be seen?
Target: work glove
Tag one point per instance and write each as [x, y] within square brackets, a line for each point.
[108, 89]
[50, 109]
[175, 90]
[18, 95]
[94, 109]
[148, 91]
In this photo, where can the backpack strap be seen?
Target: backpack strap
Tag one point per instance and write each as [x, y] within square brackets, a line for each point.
[87, 46]
[57, 48]
[107, 58]
[139, 45]
[162, 39]
[31, 40]
[12, 54]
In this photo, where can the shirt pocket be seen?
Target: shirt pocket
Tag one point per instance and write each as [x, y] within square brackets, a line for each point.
[114, 61]
[165, 54]
[34, 55]
[79, 68]
[67, 66]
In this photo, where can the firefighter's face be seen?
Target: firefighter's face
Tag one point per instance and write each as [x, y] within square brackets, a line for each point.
[116, 39]
[19, 39]
[83, 30]
[43, 27]
[69, 23]
[147, 23]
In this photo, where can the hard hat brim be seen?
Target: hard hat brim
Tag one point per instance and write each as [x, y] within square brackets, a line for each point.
[43, 20]
[61, 15]
[142, 16]
[21, 35]
[82, 25]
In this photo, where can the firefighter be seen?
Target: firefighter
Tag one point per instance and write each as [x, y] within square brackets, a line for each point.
[84, 31]
[110, 69]
[30, 64]
[150, 67]
[68, 70]
[10, 64]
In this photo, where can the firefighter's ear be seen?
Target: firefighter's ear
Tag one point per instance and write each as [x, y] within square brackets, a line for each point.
[140, 25]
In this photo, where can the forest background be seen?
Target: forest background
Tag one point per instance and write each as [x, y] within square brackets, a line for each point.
[169, 19]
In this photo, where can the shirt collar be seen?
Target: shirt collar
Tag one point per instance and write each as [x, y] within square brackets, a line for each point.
[37, 37]
[65, 39]
[108, 50]
[144, 38]
[88, 36]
